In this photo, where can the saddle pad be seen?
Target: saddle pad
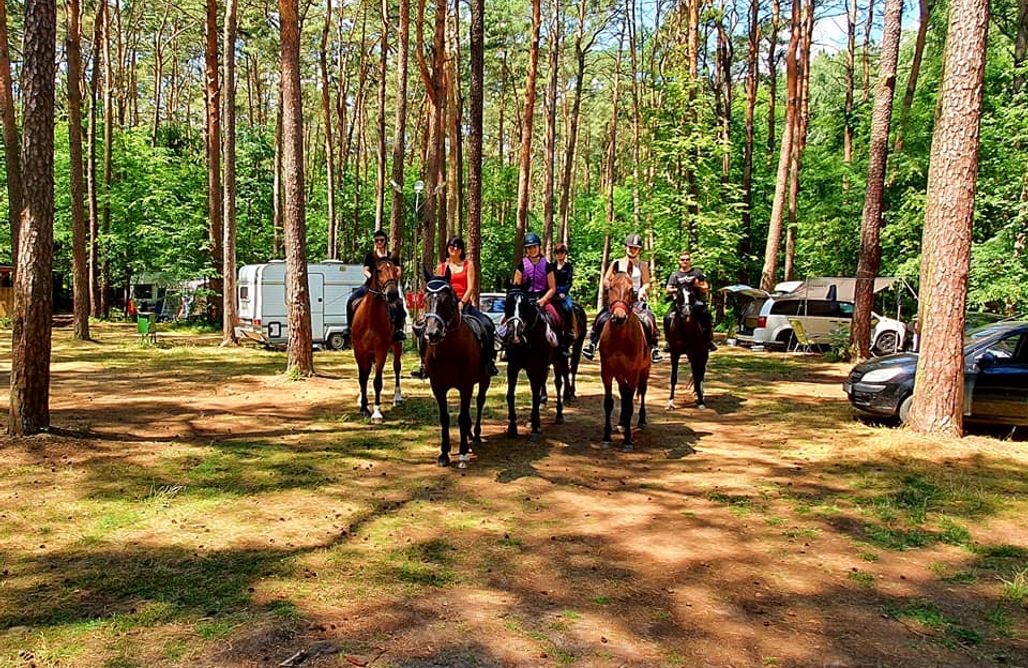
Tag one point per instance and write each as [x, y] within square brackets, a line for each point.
[477, 328]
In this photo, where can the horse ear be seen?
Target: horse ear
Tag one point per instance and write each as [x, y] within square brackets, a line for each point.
[427, 273]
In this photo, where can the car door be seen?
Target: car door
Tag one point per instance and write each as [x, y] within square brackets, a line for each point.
[817, 317]
[1000, 387]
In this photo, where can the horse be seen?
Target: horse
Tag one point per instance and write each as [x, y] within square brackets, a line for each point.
[567, 368]
[453, 360]
[373, 334]
[625, 357]
[685, 335]
[528, 349]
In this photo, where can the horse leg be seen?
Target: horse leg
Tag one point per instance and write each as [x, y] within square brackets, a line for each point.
[363, 371]
[699, 372]
[444, 424]
[627, 404]
[483, 385]
[376, 416]
[560, 370]
[641, 391]
[512, 386]
[608, 408]
[538, 385]
[464, 421]
[397, 352]
[675, 357]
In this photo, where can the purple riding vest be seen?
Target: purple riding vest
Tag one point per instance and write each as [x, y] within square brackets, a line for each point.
[533, 276]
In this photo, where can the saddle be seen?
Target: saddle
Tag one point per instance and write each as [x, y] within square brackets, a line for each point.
[477, 328]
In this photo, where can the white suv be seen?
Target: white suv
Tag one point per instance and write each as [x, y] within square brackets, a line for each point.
[766, 322]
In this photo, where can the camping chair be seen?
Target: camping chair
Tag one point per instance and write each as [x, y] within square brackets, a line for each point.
[146, 326]
[800, 335]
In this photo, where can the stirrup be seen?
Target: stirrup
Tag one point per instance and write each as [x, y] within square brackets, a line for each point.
[589, 351]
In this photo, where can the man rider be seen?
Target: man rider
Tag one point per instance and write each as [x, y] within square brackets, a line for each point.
[692, 278]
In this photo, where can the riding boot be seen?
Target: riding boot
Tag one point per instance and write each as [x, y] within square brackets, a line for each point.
[594, 334]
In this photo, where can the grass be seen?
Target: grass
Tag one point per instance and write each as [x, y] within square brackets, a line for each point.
[1016, 588]
[928, 616]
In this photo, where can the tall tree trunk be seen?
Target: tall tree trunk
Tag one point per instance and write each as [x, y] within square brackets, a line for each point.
[330, 150]
[91, 185]
[1020, 46]
[228, 329]
[867, 49]
[158, 73]
[398, 212]
[870, 227]
[582, 47]
[453, 121]
[12, 146]
[30, 348]
[108, 92]
[276, 188]
[382, 73]
[475, 144]
[611, 163]
[915, 68]
[949, 209]
[300, 350]
[525, 171]
[752, 76]
[80, 266]
[851, 65]
[550, 148]
[212, 96]
[772, 75]
[774, 233]
[799, 137]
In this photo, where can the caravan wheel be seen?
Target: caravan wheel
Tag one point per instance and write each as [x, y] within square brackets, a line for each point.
[335, 341]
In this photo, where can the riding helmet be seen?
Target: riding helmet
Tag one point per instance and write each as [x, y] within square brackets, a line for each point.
[532, 239]
[633, 240]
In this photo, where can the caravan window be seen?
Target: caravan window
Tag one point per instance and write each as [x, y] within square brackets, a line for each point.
[244, 293]
[143, 291]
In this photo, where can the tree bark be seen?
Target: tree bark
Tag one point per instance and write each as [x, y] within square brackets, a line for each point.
[799, 138]
[582, 47]
[212, 97]
[228, 329]
[871, 225]
[12, 145]
[1020, 46]
[300, 351]
[383, 62]
[398, 212]
[611, 163]
[946, 247]
[330, 149]
[550, 148]
[851, 64]
[30, 348]
[108, 102]
[774, 233]
[867, 49]
[915, 69]
[525, 170]
[91, 185]
[80, 266]
[752, 76]
[475, 140]
[772, 75]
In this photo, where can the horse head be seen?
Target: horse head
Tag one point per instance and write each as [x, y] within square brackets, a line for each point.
[684, 299]
[620, 296]
[441, 309]
[520, 313]
[385, 279]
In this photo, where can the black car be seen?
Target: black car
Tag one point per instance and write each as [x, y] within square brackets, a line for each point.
[995, 378]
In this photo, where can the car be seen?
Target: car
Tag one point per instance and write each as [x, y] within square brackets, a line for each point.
[995, 378]
[492, 303]
[973, 320]
[822, 306]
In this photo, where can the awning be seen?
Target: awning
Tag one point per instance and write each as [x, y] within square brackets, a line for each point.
[844, 288]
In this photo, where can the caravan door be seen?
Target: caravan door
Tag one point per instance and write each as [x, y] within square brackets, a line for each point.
[316, 285]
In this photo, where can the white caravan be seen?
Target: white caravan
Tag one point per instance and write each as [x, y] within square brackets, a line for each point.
[261, 300]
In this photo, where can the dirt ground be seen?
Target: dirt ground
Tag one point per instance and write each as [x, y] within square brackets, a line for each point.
[194, 507]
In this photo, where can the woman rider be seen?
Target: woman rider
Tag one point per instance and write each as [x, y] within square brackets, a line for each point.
[641, 282]
[536, 274]
[396, 312]
[564, 275]
[464, 282]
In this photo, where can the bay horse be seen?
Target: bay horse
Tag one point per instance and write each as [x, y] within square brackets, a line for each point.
[528, 349]
[685, 335]
[453, 360]
[373, 335]
[624, 357]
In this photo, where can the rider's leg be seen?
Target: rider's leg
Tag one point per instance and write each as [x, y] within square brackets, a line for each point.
[594, 334]
[707, 320]
[351, 307]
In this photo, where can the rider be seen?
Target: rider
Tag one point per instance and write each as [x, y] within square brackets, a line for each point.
[396, 311]
[463, 280]
[564, 276]
[536, 274]
[641, 283]
[693, 278]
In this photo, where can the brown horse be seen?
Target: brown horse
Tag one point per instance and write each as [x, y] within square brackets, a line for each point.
[624, 356]
[685, 335]
[373, 335]
[453, 360]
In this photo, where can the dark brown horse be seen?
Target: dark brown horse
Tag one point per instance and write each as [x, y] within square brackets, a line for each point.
[528, 349]
[373, 335]
[685, 335]
[624, 357]
[453, 360]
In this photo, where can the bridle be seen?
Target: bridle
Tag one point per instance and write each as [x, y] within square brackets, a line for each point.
[624, 302]
[517, 325]
[438, 287]
[384, 288]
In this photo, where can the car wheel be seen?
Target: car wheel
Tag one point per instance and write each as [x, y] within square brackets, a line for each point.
[786, 339]
[335, 341]
[886, 344]
[904, 409]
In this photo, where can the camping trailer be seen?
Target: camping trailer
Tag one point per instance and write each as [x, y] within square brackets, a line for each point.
[261, 300]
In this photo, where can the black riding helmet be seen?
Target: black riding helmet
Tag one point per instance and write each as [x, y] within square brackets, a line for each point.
[633, 241]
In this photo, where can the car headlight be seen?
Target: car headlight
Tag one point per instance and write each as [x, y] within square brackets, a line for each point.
[882, 375]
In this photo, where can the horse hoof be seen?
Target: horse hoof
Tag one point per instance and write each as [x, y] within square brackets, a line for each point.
[543, 399]
[607, 443]
[701, 406]
[476, 439]
[535, 436]
[559, 420]
[619, 429]
[444, 460]
[462, 461]
[512, 431]
[627, 447]
[641, 425]
[397, 400]
[671, 405]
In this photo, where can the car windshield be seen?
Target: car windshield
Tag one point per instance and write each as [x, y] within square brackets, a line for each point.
[983, 332]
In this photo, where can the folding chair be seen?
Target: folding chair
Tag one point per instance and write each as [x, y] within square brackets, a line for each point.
[800, 335]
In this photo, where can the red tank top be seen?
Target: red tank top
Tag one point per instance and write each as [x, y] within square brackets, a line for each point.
[459, 280]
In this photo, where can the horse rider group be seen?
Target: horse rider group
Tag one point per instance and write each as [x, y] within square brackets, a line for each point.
[550, 283]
